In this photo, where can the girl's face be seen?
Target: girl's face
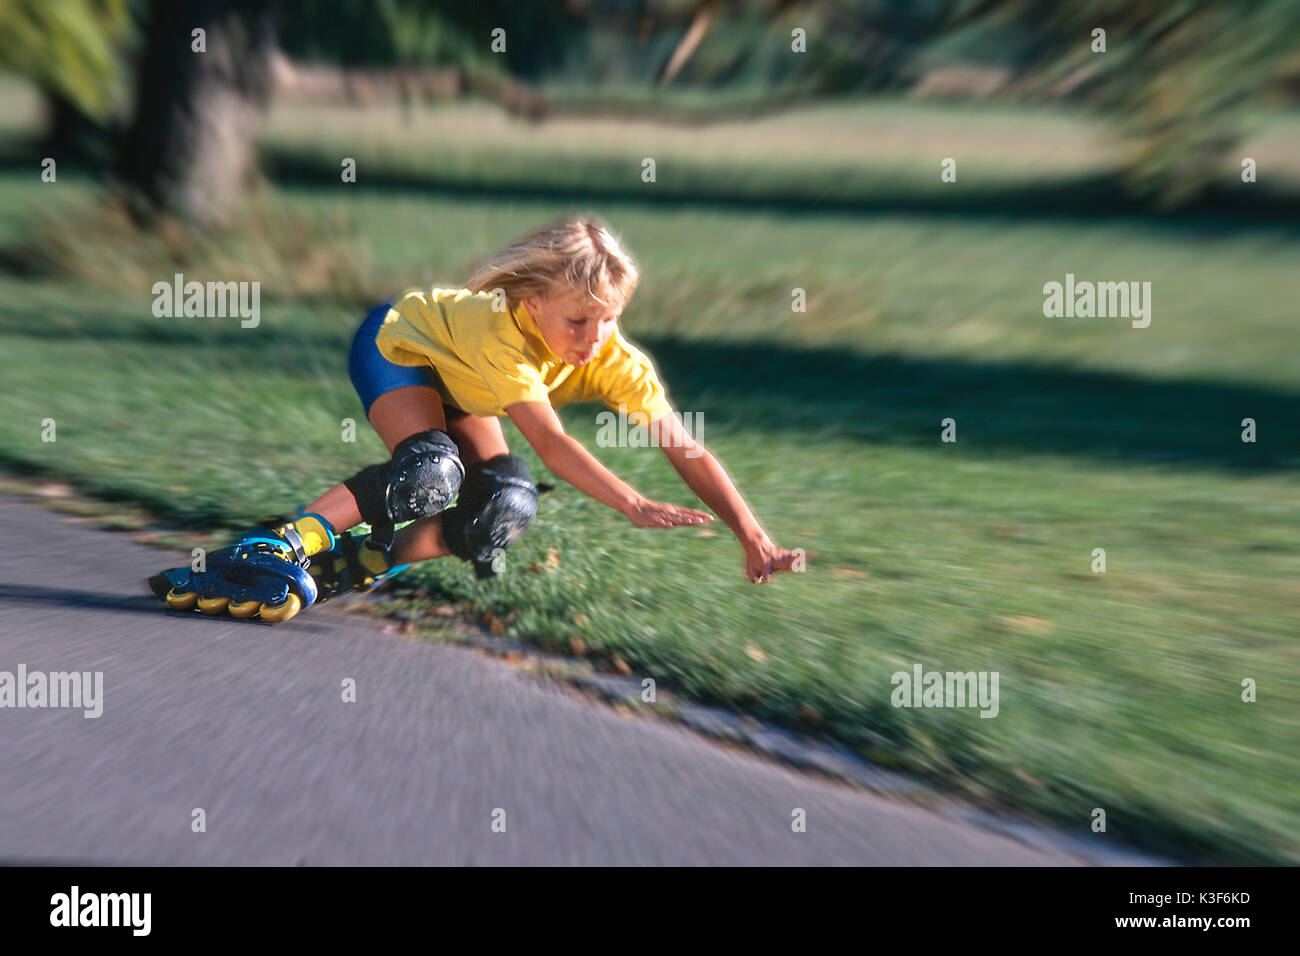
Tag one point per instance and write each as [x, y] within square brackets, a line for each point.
[575, 326]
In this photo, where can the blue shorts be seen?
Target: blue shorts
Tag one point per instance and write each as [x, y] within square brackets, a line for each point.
[372, 375]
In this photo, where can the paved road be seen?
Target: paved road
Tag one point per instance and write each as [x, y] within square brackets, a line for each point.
[247, 722]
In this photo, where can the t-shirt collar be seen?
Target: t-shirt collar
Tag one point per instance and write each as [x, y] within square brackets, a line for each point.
[528, 325]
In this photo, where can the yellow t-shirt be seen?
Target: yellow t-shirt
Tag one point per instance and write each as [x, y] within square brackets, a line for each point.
[488, 359]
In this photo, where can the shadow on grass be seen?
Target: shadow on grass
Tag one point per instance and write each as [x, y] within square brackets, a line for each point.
[881, 399]
[279, 346]
[999, 407]
[1222, 210]
[1094, 198]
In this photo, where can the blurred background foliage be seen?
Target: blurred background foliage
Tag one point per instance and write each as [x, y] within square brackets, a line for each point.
[1173, 85]
[73, 52]
[68, 48]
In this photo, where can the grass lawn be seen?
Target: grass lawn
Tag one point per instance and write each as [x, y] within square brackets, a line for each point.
[1119, 690]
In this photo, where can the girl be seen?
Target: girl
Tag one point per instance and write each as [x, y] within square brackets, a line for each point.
[535, 328]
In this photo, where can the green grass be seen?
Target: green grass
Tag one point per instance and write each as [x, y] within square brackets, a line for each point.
[818, 146]
[1118, 690]
[839, 152]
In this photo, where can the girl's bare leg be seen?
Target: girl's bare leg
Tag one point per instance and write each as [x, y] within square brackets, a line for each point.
[397, 415]
[479, 438]
[394, 416]
[419, 541]
[338, 507]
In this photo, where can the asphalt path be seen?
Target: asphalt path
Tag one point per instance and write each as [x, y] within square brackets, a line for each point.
[247, 724]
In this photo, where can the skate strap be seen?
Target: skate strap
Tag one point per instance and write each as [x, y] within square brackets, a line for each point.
[381, 535]
[346, 571]
[294, 540]
[352, 562]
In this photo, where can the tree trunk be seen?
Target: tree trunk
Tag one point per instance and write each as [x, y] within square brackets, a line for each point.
[190, 148]
[70, 134]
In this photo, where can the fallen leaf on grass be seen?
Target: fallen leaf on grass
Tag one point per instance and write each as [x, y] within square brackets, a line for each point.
[550, 564]
[847, 573]
[755, 653]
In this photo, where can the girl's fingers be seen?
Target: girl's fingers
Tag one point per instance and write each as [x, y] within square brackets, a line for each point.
[669, 516]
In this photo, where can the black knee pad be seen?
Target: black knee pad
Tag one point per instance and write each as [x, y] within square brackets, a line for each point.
[497, 502]
[420, 480]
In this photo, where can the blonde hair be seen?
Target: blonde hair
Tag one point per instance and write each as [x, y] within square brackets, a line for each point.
[578, 253]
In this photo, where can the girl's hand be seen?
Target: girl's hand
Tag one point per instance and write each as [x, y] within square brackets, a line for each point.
[764, 558]
[656, 514]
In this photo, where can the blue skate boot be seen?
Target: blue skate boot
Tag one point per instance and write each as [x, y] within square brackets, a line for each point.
[356, 563]
[262, 575]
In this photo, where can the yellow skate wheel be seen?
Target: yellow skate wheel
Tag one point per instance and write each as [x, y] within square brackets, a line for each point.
[279, 613]
[214, 605]
[244, 609]
[182, 600]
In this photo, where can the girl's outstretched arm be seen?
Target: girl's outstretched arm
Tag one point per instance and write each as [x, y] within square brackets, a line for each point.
[565, 456]
[706, 477]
